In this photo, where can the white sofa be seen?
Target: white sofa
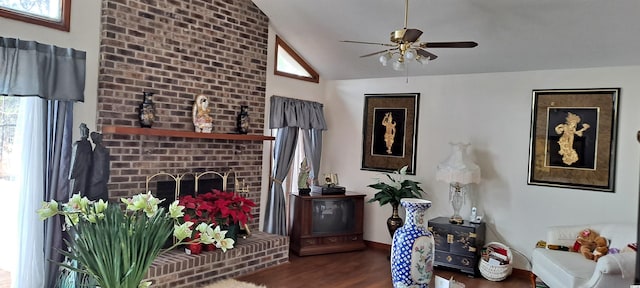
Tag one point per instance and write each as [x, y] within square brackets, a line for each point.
[563, 269]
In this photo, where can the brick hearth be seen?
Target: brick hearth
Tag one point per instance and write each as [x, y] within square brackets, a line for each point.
[175, 269]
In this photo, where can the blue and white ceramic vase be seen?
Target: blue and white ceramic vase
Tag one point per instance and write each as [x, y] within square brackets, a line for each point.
[413, 247]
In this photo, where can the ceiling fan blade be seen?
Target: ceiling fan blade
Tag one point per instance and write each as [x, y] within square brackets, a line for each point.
[373, 43]
[411, 35]
[426, 54]
[374, 53]
[464, 44]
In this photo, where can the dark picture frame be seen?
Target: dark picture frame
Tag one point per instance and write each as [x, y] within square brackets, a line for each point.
[573, 138]
[391, 146]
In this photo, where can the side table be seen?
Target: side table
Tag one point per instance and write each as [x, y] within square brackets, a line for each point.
[458, 246]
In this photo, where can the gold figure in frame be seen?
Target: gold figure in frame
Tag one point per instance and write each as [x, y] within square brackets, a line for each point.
[390, 132]
[568, 131]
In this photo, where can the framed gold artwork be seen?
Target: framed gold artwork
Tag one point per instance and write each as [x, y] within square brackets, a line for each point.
[390, 124]
[573, 138]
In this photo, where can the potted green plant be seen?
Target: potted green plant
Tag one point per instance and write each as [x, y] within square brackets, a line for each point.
[391, 191]
[115, 247]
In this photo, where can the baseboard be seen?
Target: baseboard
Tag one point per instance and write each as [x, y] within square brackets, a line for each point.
[377, 245]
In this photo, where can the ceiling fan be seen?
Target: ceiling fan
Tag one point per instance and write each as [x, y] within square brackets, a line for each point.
[405, 45]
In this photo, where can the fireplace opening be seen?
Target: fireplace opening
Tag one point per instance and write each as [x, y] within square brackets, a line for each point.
[172, 188]
[167, 189]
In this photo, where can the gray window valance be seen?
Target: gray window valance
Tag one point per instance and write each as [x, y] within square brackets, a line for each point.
[29, 68]
[289, 112]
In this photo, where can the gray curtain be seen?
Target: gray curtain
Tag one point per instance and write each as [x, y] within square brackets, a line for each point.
[289, 116]
[59, 142]
[29, 68]
[289, 112]
[275, 217]
[312, 139]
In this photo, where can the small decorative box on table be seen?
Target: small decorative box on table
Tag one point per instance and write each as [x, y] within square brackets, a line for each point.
[458, 246]
[326, 223]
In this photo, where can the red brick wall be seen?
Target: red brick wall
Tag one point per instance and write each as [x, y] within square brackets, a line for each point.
[178, 49]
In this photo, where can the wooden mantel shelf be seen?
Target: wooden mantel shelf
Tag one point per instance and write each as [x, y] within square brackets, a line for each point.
[123, 130]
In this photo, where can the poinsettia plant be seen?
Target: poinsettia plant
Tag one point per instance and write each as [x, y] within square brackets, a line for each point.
[218, 208]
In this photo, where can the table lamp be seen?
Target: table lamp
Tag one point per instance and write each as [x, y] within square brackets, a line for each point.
[458, 170]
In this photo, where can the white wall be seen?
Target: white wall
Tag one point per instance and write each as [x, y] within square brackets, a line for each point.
[84, 35]
[492, 112]
[285, 87]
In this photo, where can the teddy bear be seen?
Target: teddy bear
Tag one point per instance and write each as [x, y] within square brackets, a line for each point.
[591, 244]
[602, 248]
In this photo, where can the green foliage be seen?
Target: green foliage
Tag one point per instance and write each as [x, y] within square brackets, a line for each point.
[115, 247]
[391, 192]
[118, 250]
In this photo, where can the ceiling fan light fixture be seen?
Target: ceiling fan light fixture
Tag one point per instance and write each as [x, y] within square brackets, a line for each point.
[398, 65]
[384, 58]
[410, 54]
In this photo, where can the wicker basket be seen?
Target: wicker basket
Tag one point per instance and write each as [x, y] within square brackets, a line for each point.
[493, 272]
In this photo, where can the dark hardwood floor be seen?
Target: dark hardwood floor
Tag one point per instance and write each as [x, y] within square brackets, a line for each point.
[368, 268]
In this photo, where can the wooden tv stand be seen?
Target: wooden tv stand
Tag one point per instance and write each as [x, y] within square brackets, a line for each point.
[326, 223]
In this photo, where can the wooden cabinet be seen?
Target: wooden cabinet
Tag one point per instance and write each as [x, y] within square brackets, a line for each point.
[326, 223]
[458, 246]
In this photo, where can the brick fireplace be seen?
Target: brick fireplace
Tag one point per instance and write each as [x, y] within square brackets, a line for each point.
[178, 49]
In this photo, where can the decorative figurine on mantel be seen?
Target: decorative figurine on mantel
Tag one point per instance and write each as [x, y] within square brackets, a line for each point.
[242, 124]
[201, 120]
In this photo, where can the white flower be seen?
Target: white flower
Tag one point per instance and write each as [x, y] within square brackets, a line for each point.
[145, 202]
[48, 209]
[175, 210]
[218, 234]
[225, 244]
[78, 204]
[182, 231]
[100, 206]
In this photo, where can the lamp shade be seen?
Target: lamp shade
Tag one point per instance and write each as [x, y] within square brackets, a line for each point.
[458, 167]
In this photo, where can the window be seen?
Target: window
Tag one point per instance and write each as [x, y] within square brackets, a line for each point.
[50, 13]
[291, 181]
[8, 205]
[8, 117]
[290, 64]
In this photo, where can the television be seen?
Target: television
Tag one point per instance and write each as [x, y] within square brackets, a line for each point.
[326, 223]
[332, 216]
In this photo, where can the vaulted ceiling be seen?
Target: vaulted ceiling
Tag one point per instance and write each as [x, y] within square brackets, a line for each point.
[512, 35]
